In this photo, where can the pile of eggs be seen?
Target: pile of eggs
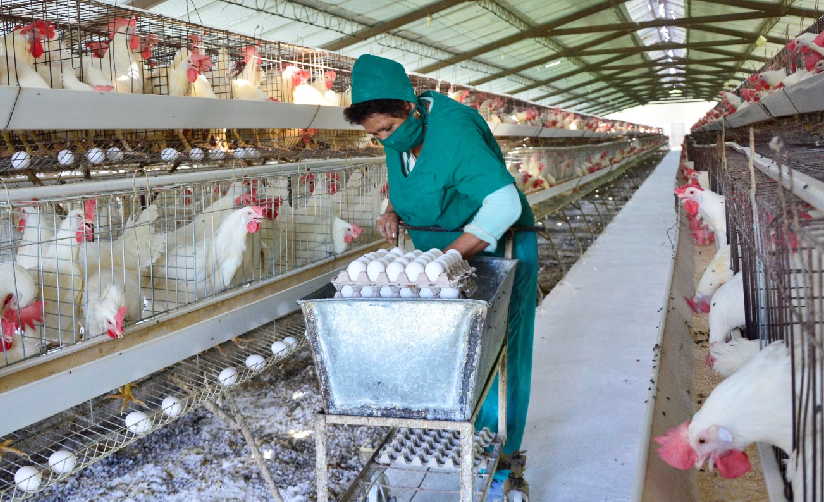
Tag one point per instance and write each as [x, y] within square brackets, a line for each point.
[395, 274]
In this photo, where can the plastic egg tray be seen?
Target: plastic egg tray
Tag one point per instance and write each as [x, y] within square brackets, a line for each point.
[415, 274]
[433, 449]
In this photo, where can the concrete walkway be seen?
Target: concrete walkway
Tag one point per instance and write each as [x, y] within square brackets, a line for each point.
[588, 426]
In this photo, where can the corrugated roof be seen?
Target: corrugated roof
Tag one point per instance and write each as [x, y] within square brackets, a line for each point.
[583, 54]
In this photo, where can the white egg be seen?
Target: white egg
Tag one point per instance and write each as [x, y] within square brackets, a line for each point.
[169, 154]
[255, 362]
[429, 293]
[171, 406]
[20, 160]
[434, 270]
[455, 253]
[28, 478]
[65, 157]
[375, 268]
[278, 347]
[95, 155]
[354, 269]
[394, 270]
[389, 292]
[197, 154]
[447, 264]
[435, 251]
[348, 292]
[396, 251]
[227, 376]
[418, 252]
[409, 293]
[290, 340]
[114, 154]
[450, 293]
[405, 261]
[138, 422]
[62, 461]
[410, 255]
[240, 153]
[252, 153]
[414, 269]
[216, 154]
[369, 292]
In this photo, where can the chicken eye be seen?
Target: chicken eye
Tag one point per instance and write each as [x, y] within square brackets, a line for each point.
[702, 440]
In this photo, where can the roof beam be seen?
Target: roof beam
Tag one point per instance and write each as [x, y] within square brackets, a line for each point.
[737, 33]
[390, 24]
[782, 10]
[724, 52]
[684, 22]
[765, 26]
[634, 50]
[667, 45]
[664, 63]
[503, 10]
[611, 95]
[604, 110]
[552, 57]
[538, 30]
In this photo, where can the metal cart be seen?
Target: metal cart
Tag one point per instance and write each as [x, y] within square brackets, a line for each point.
[414, 364]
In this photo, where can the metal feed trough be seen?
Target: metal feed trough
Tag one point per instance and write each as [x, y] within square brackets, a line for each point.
[411, 362]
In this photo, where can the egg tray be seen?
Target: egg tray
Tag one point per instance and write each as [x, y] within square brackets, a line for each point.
[434, 449]
[461, 280]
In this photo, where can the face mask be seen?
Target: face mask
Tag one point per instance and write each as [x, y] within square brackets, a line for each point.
[408, 135]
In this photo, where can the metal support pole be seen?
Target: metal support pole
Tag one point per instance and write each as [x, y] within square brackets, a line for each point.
[321, 474]
[502, 401]
[467, 458]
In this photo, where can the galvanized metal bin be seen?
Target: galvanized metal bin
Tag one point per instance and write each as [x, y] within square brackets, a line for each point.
[402, 358]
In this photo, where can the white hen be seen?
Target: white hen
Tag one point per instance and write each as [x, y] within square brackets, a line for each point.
[135, 249]
[245, 86]
[753, 405]
[711, 208]
[717, 273]
[126, 65]
[21, 313]
[111, 298]
[208, 266]
[38, 230]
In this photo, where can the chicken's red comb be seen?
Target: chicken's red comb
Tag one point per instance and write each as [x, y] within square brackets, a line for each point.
[249, 52]
[89, 207]
[674, 447]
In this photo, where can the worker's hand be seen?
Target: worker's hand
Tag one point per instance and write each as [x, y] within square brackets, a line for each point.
[388, 226]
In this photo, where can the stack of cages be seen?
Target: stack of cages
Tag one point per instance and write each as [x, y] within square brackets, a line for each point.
[162, 195]
[105, 229]
[779, 240]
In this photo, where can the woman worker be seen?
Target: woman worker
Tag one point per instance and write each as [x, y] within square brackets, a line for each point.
[446, 170]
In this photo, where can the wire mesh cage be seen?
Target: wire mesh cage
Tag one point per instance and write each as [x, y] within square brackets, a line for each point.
[85, 45]
[47, 452]
[776, 239]
[86, 266]
[536, 168]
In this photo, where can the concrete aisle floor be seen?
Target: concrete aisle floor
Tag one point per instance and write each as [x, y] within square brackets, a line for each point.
[588, 425]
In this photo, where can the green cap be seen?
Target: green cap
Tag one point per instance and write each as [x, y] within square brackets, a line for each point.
[374, 77]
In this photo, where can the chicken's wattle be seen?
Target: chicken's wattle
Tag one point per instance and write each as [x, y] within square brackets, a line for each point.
[733, 464]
